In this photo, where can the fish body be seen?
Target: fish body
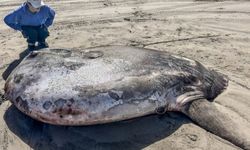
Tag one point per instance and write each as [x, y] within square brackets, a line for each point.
[107, 84]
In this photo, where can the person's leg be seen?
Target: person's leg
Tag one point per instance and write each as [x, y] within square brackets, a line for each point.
[31, 34]
[43, 33]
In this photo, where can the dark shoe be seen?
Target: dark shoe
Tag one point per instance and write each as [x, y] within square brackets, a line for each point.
[42, 45]
[31, 47]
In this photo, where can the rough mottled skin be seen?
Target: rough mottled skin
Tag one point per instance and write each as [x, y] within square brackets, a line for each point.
[106, 84]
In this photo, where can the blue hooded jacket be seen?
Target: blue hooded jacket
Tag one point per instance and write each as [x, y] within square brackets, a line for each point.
[23, 17]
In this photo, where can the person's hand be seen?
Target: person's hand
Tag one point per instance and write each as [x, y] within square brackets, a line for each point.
[44, 28]
[23, 33]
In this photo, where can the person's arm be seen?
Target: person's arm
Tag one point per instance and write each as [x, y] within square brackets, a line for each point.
[13, 20]
[51, 17]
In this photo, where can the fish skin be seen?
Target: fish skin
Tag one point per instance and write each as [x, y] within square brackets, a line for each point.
[107, 84]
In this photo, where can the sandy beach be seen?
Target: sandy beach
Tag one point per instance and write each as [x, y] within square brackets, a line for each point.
[215, 33]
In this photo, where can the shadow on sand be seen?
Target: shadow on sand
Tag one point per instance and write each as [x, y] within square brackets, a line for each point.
[14, 64]
[125, 135]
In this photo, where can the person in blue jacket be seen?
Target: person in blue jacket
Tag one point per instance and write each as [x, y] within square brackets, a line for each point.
[33, 19]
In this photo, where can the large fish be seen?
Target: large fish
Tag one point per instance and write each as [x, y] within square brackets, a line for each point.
[107, 84]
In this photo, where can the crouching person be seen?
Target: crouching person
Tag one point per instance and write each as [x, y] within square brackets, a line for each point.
[33, 19]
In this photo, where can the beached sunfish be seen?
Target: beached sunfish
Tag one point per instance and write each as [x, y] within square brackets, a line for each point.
[113, 83]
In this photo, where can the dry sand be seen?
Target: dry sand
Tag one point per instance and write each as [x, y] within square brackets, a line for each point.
[215, 33]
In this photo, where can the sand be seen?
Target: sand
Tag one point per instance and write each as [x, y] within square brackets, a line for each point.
[216, 33]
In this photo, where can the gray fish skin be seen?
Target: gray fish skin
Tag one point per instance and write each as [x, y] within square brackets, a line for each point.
[106, 84]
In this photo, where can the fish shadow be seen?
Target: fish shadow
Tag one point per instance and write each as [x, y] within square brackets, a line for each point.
[14, 64]
[133, 134]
